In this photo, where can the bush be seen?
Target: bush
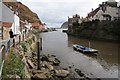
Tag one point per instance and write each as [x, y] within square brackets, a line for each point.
[29, 41]
[24, 46]
[13, 65]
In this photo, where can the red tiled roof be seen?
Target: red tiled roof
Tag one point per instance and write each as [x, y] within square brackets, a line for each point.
[35, 24]
[6, 24]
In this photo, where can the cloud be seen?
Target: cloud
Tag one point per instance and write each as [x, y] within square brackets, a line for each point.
[52, 0]
[56, 12]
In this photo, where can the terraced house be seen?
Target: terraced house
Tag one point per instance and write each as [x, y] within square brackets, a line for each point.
[108, 10]
[8, 20]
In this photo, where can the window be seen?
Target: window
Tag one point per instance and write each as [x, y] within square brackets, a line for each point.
[96, 16]
[117, 13]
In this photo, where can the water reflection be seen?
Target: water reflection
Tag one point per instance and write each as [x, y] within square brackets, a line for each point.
[107, 51]
[105, 64]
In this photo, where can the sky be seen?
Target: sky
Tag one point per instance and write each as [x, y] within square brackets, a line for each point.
[55, 12]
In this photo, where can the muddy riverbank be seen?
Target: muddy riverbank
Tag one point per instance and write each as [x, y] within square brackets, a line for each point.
[22, 63]
[58, 60]
[105, 65]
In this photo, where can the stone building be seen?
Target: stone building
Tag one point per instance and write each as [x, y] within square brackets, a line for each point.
[74, 19]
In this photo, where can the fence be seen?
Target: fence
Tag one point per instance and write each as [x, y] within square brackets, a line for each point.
[6, 45]
[2, 57]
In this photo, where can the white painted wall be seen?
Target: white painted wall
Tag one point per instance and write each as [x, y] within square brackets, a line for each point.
[28, 26]
[112, 11]
[0, 11]
[16, 25]
[0, 20]
[98, 15]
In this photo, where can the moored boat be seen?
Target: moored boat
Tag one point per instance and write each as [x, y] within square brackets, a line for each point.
[84, 49]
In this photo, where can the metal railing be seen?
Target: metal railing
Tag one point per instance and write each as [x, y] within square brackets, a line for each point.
[2, 58]
[6, 45]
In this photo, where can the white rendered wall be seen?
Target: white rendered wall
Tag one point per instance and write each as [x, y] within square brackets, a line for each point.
[16, 25]
[112, 11]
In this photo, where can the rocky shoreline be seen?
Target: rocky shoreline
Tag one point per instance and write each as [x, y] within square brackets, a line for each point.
[49, 67]
[49, 64]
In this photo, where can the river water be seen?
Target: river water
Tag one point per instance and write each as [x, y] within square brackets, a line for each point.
[104, 65]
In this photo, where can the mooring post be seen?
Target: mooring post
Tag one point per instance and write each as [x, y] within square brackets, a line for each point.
[38, 54]
[8, 44]
[19, 39]
[41, 44]
[13, 42]
[23, 36]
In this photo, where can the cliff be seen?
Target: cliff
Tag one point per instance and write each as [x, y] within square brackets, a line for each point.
[23, 12]
[64, 25]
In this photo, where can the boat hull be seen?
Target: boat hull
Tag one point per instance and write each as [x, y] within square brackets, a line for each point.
[84, 49]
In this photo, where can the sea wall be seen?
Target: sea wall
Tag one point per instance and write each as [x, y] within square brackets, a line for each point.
[101, 30]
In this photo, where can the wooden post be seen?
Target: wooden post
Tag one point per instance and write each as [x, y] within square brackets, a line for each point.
[34, 38]
[19, 39]
[8, 44]
[41, 44]
[2, 32]
[89, 44]
[38, 54]
[13, 42]
[23, 36]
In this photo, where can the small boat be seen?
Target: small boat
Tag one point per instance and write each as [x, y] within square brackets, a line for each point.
[84, 49]
[64, 30]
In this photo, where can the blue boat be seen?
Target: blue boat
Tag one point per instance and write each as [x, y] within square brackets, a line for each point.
[84, 49]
